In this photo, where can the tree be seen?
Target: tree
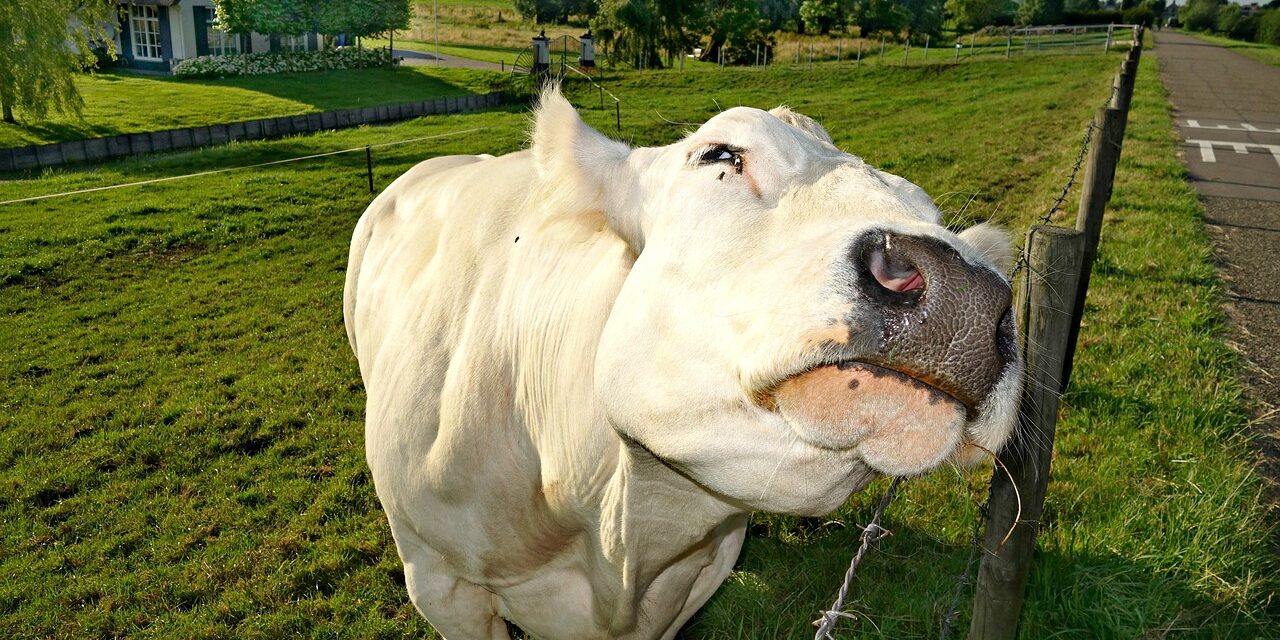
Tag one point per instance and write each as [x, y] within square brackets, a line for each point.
[286, 17]
[1040, 11]
[554, 10]
[46, 41]
[643, 30]
[1200, 15]
[735, 30]
[924, 17]
[872, 16]
[1228, 19]
[975, 14]
[362, 17]
[779, 12]
[819, 15]
[1268, 27]
[296, 17]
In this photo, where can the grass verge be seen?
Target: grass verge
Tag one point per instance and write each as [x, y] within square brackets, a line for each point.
[123, 102]
[181, 446]
[1268, 53]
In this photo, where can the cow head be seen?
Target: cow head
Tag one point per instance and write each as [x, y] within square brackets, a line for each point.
[795, 320]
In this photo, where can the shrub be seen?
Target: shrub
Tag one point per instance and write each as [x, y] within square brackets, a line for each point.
[1141, 14]
[285, 62]
[1093, 17]
[1269, 27]
[1229, 19]
[1199, 15]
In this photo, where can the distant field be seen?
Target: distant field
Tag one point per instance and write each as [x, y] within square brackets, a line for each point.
[124, 102]
[1268, 53]
[181, 427]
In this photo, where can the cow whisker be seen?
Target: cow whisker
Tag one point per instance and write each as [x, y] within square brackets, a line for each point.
[1016, 494]
[795, 437]
[664, 119]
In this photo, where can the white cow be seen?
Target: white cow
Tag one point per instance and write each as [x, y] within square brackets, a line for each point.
[587, 363]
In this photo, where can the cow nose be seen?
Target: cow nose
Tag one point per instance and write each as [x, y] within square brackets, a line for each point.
[946, 321]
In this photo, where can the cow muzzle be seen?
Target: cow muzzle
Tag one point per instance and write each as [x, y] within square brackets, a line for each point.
[946, 322]
[946, 337]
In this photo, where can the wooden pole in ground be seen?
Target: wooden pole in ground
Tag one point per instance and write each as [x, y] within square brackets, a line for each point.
[1095, 191]
[1047, 295]
[1123, 85]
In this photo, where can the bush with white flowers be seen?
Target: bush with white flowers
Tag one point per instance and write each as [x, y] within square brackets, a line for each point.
[251, 64]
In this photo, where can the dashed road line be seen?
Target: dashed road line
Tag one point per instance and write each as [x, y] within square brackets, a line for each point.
[1244, 126]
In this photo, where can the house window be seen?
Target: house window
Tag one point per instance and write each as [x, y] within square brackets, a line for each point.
[219, 42]
[144, 28]
[293, 43]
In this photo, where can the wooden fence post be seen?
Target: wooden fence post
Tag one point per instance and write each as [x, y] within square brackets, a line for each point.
[1046, 297]
[1122, 93]
[1095, 191]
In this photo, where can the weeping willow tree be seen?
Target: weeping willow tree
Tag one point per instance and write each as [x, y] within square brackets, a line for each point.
[42, 44]
[647, 33]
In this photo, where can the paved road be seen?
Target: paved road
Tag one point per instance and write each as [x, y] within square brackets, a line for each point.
[1227, 114]
[422, 58]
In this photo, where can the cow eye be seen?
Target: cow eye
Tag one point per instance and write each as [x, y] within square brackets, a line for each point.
[722, 153]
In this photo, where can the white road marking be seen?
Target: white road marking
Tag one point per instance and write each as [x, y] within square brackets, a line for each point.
[1244, 126]
[1207, 155]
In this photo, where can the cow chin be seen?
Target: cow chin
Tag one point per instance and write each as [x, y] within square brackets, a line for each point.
[898, 425]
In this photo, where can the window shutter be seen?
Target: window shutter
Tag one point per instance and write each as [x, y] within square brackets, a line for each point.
[202, 30]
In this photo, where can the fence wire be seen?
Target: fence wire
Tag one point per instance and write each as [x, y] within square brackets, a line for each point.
[242, 168]
[871, 533]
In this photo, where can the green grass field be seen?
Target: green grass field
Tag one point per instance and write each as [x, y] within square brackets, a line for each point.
[124, 102]
[1268, 53]
[181, 441]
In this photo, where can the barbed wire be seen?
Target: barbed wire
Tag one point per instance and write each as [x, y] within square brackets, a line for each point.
[1021, 262]
[871, 533]
[949, 619]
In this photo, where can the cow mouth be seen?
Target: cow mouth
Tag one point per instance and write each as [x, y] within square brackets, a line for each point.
[889, 414]
[768, 398]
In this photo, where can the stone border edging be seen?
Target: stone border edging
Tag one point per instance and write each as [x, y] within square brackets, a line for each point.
[130, 144]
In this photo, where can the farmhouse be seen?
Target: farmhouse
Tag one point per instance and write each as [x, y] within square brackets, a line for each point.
[154, 34]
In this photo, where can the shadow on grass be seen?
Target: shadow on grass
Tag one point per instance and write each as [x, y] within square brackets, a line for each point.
[906, 585]
[343, 89]
[205, 101]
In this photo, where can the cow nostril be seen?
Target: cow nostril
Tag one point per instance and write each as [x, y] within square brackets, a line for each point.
[893, 273]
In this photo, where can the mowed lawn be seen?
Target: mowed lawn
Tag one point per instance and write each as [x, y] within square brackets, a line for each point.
[123, 102]
[180, 425]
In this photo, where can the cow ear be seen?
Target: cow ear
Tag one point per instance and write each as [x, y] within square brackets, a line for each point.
[578, 163]
[568, 151]
[802, 122]
[993, 243]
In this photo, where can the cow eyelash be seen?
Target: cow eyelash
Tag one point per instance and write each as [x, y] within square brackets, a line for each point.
[722, 153]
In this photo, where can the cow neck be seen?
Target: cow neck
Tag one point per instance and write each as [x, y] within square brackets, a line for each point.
[652, 518]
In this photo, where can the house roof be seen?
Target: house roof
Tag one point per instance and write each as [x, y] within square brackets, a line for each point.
[157, 3]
